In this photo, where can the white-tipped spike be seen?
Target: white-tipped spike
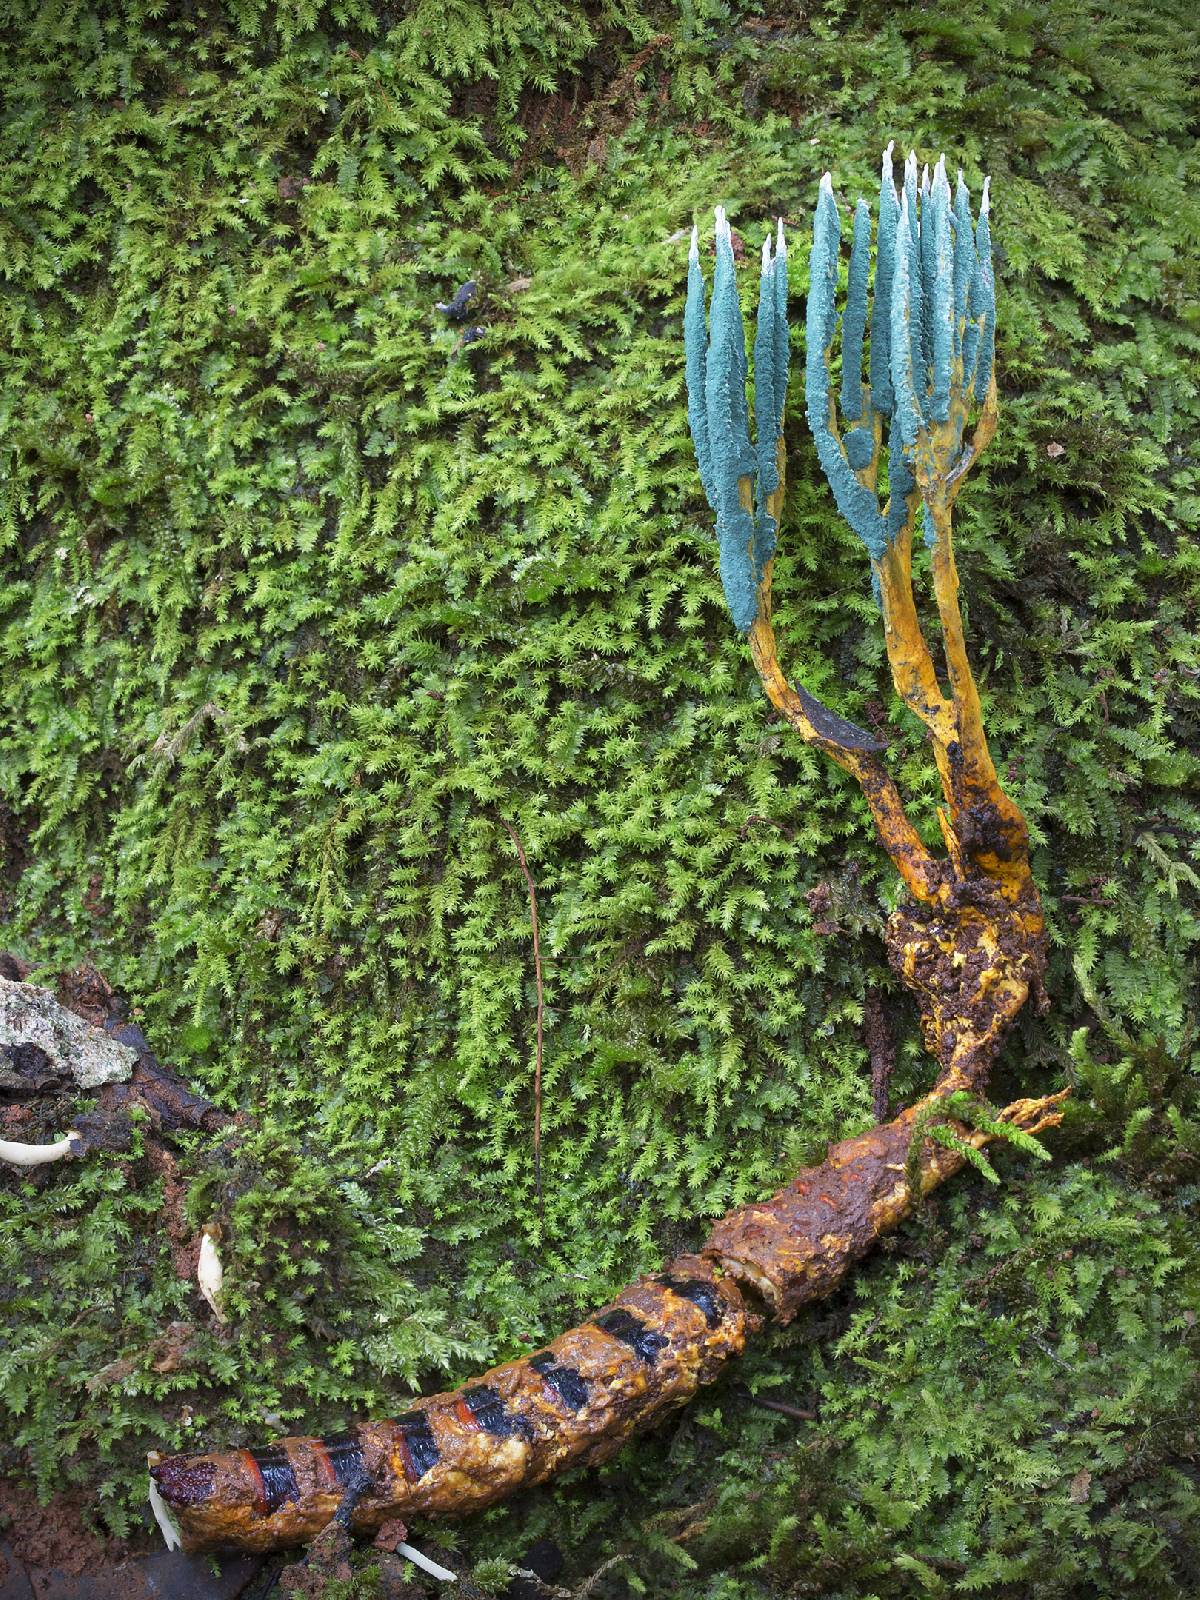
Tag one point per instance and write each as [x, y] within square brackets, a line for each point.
[766, 255]
[827, 183]
[780, 241]
[694, 247]
[960, 176]
[887, 158]
[925, 178]
[985, 204]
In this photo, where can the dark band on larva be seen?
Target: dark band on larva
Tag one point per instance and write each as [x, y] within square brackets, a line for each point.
[344, 1453]
[484, 1407]
[701, 1293]
[277, 1477]
[631, 1330]
[418, 1444]
[566, 1382]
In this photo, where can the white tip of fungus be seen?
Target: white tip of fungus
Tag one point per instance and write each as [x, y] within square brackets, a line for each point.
[827, 184]
[925, 178]
[210, 1274]
[887, 158]
[694, 247]
[162, 1515]
[38, 1155]
[985, 204]
[425, 1564]
[766, 255]
[780, 241]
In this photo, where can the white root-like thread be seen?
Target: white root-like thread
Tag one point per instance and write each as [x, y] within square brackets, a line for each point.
[210, 1274]
[162, 1512]
[38, 1155]
[425, 1564]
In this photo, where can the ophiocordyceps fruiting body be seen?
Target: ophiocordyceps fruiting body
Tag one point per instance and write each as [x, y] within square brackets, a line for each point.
[917, 366]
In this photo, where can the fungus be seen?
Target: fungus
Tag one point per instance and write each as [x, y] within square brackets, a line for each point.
[970, 943]
[162, 1512]
[39, 1155]
[210, 1274]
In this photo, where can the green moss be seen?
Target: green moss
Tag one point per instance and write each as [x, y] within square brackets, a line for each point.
[299, 597]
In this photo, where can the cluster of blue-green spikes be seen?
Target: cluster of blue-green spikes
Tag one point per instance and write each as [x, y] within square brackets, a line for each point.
[739, 478]
[932, 332]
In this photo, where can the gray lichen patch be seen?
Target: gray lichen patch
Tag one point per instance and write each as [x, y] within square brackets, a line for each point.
[31, 1020]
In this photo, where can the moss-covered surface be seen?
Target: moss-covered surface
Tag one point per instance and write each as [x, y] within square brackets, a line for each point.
[301, 599]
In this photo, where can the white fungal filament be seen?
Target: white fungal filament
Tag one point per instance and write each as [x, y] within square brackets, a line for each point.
[210, 1274]
[37, 1155]
[162, 1513]
[426, 1565]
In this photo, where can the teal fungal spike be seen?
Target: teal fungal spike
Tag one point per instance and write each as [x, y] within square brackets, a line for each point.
[940, 293]
[858, 504]
[881, 310]
[854, 319]
[860, 447]
[983, 298]
[715, 360]
[927, 242]
[768, 392]
[771, 361]
[911, 238]
[695, 344]
[907, 361]
[729, 433]
[901, 482]
[931, 309]
[764, 372]
[910, 191]
[964, 249]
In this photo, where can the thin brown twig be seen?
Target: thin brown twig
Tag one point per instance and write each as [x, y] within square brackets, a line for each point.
[797, 1413]
[537, 972]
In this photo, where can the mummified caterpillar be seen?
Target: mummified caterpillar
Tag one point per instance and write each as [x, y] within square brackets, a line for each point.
[576, 1402]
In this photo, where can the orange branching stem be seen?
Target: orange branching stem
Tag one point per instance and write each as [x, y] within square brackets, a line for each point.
[840, 740]
[971, 943]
